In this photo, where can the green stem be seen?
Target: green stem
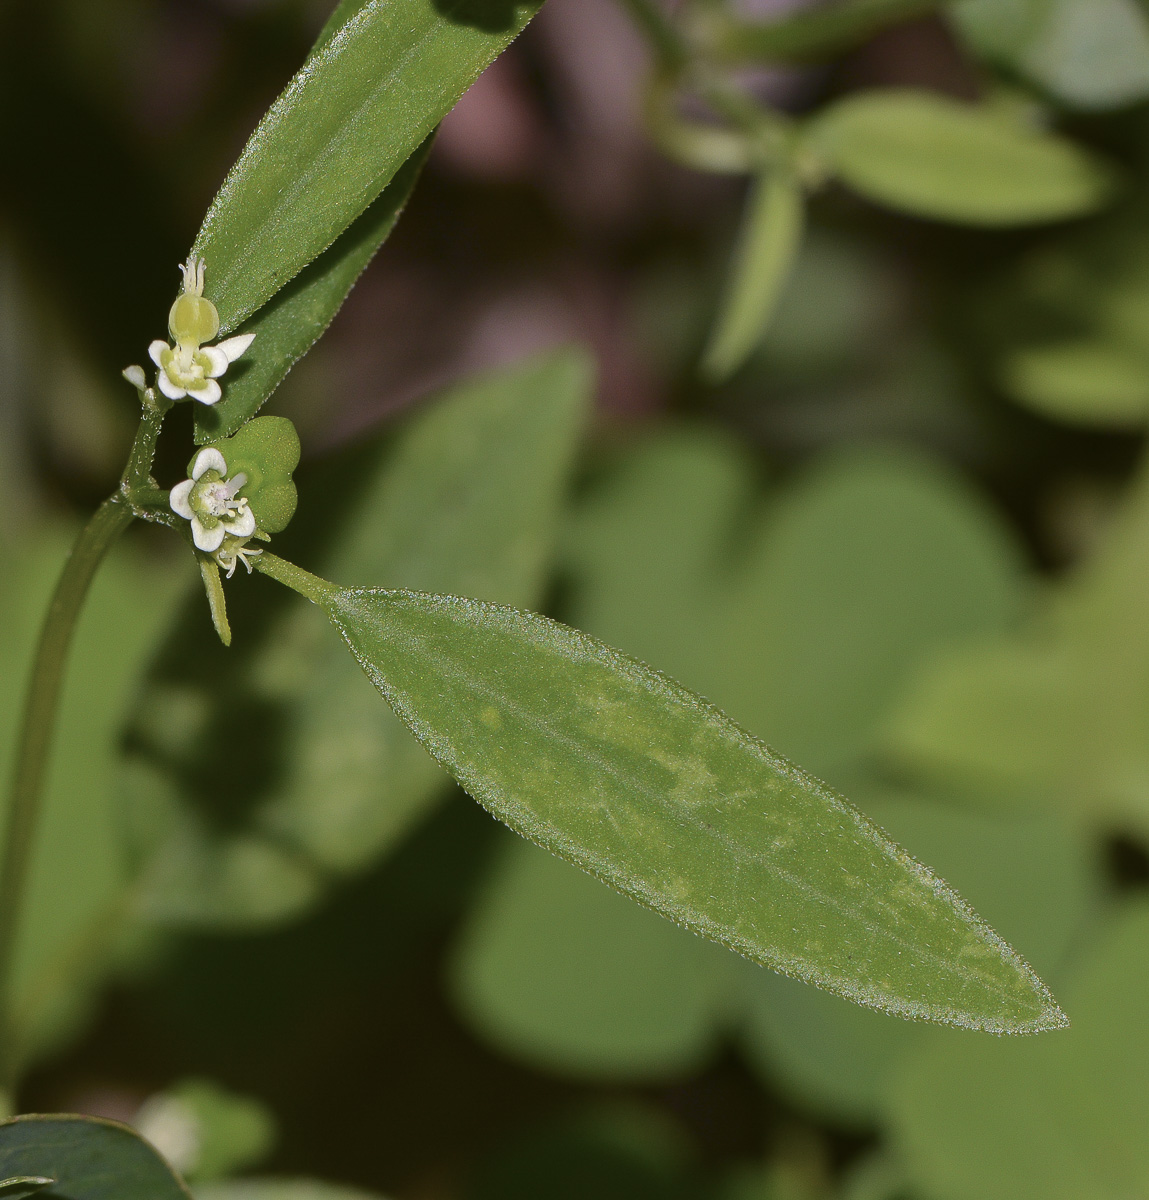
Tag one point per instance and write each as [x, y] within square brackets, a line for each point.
[138, 472]
[41, 703]
[40, 707]
[317, 590]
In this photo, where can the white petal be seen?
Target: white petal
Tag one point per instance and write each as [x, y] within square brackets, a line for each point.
[208, 459]
[207, 539]
[172, 390]
[156, 349]
[135, 376]
[178, 499]
[235, 346]
[218, 359]
[244, 524]
[208, 394]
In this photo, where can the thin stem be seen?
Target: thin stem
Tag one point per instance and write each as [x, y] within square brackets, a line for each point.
[138, 472]
[317, 590]
[40, 707]
[41, 703]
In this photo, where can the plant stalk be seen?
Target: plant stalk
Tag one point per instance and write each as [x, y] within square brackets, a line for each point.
[310, 586]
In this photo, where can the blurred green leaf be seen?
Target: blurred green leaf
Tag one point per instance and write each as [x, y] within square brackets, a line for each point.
[561, 971]
[1058, 1118]
[206, 1131]
[767, 245]
[279, 1189]
[629, 776]
[71, 914]
[1032, 878]
[1091, 54]
[88, 1158]
[466, 498]
[287, 327]
[1058, 714]
[358, 109]
[935, 157]
[816, 33]
[1087, 382]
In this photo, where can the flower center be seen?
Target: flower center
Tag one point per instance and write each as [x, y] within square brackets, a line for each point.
[213, 497]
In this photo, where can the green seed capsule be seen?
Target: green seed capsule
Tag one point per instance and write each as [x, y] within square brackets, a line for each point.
[193, 320]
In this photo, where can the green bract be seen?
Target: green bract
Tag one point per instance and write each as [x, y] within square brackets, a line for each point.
[266, 450]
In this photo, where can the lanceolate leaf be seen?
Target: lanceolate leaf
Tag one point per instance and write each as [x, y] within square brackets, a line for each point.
[935, 157]
[626, 774]
[770, 239]
[288, 327]
[87, 1159]
[357, 110]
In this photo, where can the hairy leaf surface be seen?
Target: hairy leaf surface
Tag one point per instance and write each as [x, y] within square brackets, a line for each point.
[361, 105]
[626, 774]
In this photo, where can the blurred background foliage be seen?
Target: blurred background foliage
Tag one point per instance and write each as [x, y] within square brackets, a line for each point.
[906, 541]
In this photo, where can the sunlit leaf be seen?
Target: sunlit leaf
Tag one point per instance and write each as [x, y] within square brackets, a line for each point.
[88, 1158]
[935, 157]
[358, 109]
[618, 769]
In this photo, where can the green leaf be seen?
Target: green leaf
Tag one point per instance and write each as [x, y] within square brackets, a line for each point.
[1057, 714]
[1059, 1118]
[88, 1158]
[266, 451]
[279, 1189]
[767, 247]
[206, 1131]
[802, 612]
[816, 33]
[71, 916]
[565, 973]
[24, 1185]
[465, 498]
[626, 774]
[1091, 54]
[1086, 382]
[358, 109]
[1033, 878]
[804, 619]
[287, 327]
[935, 157]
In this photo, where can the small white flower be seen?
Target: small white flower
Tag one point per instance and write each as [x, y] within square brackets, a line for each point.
[189, 368]
[208, 500]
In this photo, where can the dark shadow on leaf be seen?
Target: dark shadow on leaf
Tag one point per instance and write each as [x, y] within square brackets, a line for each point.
[491, 16]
